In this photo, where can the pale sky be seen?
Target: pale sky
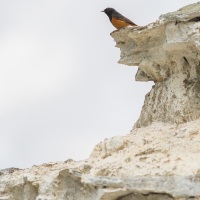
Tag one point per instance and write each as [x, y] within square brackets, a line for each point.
[62, 89]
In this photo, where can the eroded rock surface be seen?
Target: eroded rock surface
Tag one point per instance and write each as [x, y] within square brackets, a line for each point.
[160, 158]
[159, 162]
[168, 53]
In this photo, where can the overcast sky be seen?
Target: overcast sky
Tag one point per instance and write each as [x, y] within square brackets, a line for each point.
[62, 90]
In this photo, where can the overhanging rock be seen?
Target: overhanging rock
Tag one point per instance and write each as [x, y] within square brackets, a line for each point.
[168, 53]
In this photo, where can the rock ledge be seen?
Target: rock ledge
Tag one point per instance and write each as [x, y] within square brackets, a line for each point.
[168, 53]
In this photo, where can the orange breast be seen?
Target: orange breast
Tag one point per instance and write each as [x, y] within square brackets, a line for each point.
[118, 23]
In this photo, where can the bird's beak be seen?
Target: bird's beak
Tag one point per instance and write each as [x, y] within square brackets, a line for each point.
[102, 11]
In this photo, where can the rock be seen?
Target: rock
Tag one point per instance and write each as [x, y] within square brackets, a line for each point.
[8, 170]
[168, 53]
[159, 159]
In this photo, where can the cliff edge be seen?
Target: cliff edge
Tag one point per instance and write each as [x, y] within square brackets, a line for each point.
[160, 158]
[168, 53]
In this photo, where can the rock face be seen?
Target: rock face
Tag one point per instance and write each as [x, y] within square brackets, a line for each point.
[168, 53]
[160, 158]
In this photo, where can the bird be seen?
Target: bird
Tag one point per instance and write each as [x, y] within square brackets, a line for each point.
[118, 20]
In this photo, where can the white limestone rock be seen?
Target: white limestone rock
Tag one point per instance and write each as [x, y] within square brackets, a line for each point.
[168, 53]
[160, 158]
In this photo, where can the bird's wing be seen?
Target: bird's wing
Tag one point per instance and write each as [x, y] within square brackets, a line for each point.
[121, 17]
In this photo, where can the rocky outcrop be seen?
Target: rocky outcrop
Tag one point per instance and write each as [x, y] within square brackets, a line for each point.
[159, 159]
[168, 53]
[158, 163]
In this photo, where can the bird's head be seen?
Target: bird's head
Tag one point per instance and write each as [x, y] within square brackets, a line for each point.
[108, 11]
